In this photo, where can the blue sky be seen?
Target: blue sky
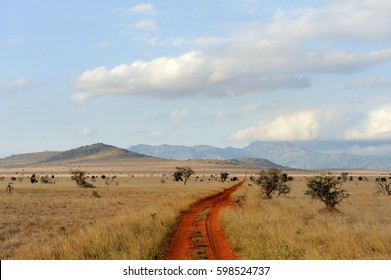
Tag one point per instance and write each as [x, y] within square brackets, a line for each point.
[222, 73]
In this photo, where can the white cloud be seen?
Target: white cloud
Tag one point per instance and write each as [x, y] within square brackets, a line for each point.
[377, 125]
[18, 85]
[178, 115]
[88, 132]
[256, 57]
[297, 126]
[144, 8]
[365, 20]
[146, 24]
[81, 97]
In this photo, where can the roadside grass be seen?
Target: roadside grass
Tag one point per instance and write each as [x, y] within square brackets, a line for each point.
[295, 227]
[131, 220]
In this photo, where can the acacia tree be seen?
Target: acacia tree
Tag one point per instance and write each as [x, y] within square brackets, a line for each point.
[272, 182]
[183, 174]
[326, 188]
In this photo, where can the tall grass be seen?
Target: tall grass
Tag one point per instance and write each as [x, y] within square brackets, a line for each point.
[132, 220]
[294, 227]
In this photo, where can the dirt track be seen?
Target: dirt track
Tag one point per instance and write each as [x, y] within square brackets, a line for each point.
[199, 235]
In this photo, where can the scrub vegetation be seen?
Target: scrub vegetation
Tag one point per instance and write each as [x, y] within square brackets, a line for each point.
[298, 227]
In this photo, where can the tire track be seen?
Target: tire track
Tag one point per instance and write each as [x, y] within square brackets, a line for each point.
[199, 234]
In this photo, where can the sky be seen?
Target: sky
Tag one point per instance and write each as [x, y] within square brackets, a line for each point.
[221, 73]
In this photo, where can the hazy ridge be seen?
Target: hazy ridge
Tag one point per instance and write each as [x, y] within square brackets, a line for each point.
[282, 153]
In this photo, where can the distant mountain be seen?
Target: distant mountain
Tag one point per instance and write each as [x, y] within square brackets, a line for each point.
[185, 152]
[282, 153]
[86, 154]
[258, 162]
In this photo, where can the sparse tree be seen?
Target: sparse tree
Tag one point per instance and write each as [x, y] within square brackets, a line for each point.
[183, 174]
[272, 182]
[45, 179]
[81, 179]
[326, 188]
[224, 176]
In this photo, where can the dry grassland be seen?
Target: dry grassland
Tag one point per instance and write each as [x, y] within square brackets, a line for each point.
[131, 220]
[295, 227]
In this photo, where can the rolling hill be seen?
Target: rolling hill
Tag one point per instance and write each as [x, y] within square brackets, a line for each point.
[96, 153]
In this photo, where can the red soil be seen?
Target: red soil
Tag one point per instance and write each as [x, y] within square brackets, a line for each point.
[199, 235]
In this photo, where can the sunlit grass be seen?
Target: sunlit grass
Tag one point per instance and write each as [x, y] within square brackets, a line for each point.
[294, 227]
[131, 220]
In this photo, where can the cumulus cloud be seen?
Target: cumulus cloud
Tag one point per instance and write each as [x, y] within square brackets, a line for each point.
[190, 74]
[297, 126]
[18, 85]
[377, 125]
[256, 57]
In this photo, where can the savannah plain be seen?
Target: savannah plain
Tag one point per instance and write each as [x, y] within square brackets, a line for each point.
[136, 207]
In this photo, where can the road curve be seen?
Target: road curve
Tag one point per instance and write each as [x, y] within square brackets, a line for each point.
[199, 234]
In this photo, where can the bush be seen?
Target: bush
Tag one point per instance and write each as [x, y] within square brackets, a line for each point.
[272, 182]
[383, 188]
[33, 179]
[224, 176]
[81, 179]
[45, 180]
[326, 188]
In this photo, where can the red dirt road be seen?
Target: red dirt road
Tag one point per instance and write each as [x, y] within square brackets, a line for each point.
[199, 235]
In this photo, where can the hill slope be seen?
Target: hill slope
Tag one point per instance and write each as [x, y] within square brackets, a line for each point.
[96, 153]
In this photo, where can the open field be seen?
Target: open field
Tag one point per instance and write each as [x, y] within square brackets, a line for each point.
[137, 213]
[132, 220]
[295, 227]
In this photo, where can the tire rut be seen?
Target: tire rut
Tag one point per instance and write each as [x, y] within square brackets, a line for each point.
[199, 234]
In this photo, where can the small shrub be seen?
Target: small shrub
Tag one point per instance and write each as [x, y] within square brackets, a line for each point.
[81, 179]
[33, 179]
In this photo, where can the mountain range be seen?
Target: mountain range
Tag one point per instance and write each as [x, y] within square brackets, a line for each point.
[107, 155]
[293, 155]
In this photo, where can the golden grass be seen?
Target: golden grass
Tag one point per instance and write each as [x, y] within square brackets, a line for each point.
[132, 219]
[295, 227]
